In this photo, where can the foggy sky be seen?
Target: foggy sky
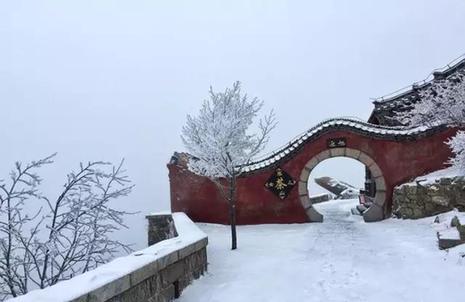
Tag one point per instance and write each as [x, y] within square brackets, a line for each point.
[103, 80]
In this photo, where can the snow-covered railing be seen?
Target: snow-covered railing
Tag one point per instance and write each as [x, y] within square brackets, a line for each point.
[397, 132]
[157, 273]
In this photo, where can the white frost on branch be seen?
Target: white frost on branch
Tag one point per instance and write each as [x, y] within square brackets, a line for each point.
[219, 139]
[68, 235]
[457, 144]
[221, 144]
[444, 102]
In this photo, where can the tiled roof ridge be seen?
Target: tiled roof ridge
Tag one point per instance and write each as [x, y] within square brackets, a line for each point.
[354, 125]
[437, 73]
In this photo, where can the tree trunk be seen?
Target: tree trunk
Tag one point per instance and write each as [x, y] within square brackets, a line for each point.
[232, 211]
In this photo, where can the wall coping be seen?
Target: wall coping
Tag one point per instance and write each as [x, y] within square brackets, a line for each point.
[122, 273]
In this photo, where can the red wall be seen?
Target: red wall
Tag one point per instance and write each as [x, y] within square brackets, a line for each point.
[400, 161]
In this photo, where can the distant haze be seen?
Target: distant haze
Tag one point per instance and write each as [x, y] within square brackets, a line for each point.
[103, 80]
[343, 169]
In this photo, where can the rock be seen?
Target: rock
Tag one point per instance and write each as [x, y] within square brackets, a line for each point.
[320, 198]
[436, 220]
[361, 208]
[339, 188]
[414, 201]
[455, 222]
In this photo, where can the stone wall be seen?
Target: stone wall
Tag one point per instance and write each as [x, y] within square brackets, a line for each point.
[414, 200]
[161, 281]
[158, 273]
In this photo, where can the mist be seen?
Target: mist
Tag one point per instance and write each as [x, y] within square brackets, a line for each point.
[106, 80]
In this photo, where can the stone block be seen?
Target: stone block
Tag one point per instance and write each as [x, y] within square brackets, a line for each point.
[313, 215]
[374, 213]
[161, 227]
[306, 202]
[321, 198]
[303, 188]
[445, 181]
[172, 273]
[304, 174]
[352, 153]
[312, 164]
[168, 260]
[440, 200]
[323, 155]
[380, 197]
[188, 250]
[144, 273]
[455, 222]
[166, 295]
[366, 160]
[337, 152]
[449, 243]
[201, 244]
[380, 183]
[375, 170]
[110, 290]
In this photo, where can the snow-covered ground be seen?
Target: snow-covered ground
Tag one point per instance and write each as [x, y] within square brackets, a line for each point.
[433, 177]
[342, 259]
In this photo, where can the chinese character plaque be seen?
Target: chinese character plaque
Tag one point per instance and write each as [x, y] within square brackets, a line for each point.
[280, 183]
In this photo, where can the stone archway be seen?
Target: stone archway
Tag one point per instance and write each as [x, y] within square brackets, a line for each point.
[374, 213]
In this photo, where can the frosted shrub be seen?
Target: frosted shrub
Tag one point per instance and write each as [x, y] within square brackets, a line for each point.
[443, 102]
[457, 144]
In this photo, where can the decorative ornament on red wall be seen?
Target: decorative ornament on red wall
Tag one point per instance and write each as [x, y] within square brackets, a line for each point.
[280, 183]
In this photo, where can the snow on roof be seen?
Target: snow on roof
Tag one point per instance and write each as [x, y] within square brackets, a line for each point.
[408, 91]
[386, 132]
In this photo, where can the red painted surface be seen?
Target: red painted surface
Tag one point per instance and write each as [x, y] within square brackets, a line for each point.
[400, 161]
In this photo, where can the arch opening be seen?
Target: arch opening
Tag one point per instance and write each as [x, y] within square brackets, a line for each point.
[375, 212]
[335, 185]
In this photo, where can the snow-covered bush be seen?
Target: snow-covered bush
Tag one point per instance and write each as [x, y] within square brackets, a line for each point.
[220, 141]
[44, 241]
[457, 144]
[442, 102]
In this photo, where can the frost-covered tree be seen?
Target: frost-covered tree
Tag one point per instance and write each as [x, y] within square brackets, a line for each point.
[221, 142]
[457, 144]
[44, 241]
[442, 102]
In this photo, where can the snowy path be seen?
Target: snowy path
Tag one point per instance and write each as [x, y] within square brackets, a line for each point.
[342, 259]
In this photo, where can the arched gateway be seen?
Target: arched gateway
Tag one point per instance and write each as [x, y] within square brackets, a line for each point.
[274, 189]
[375, 212]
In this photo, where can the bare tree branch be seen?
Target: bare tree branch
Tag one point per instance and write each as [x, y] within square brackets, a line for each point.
[78, 225]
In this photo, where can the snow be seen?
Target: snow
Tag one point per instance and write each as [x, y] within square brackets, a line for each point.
[450, 233]
[443, 226]
[342, 259]
[431, 178]
[188, 233]
[354, 123]
[160, 213]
